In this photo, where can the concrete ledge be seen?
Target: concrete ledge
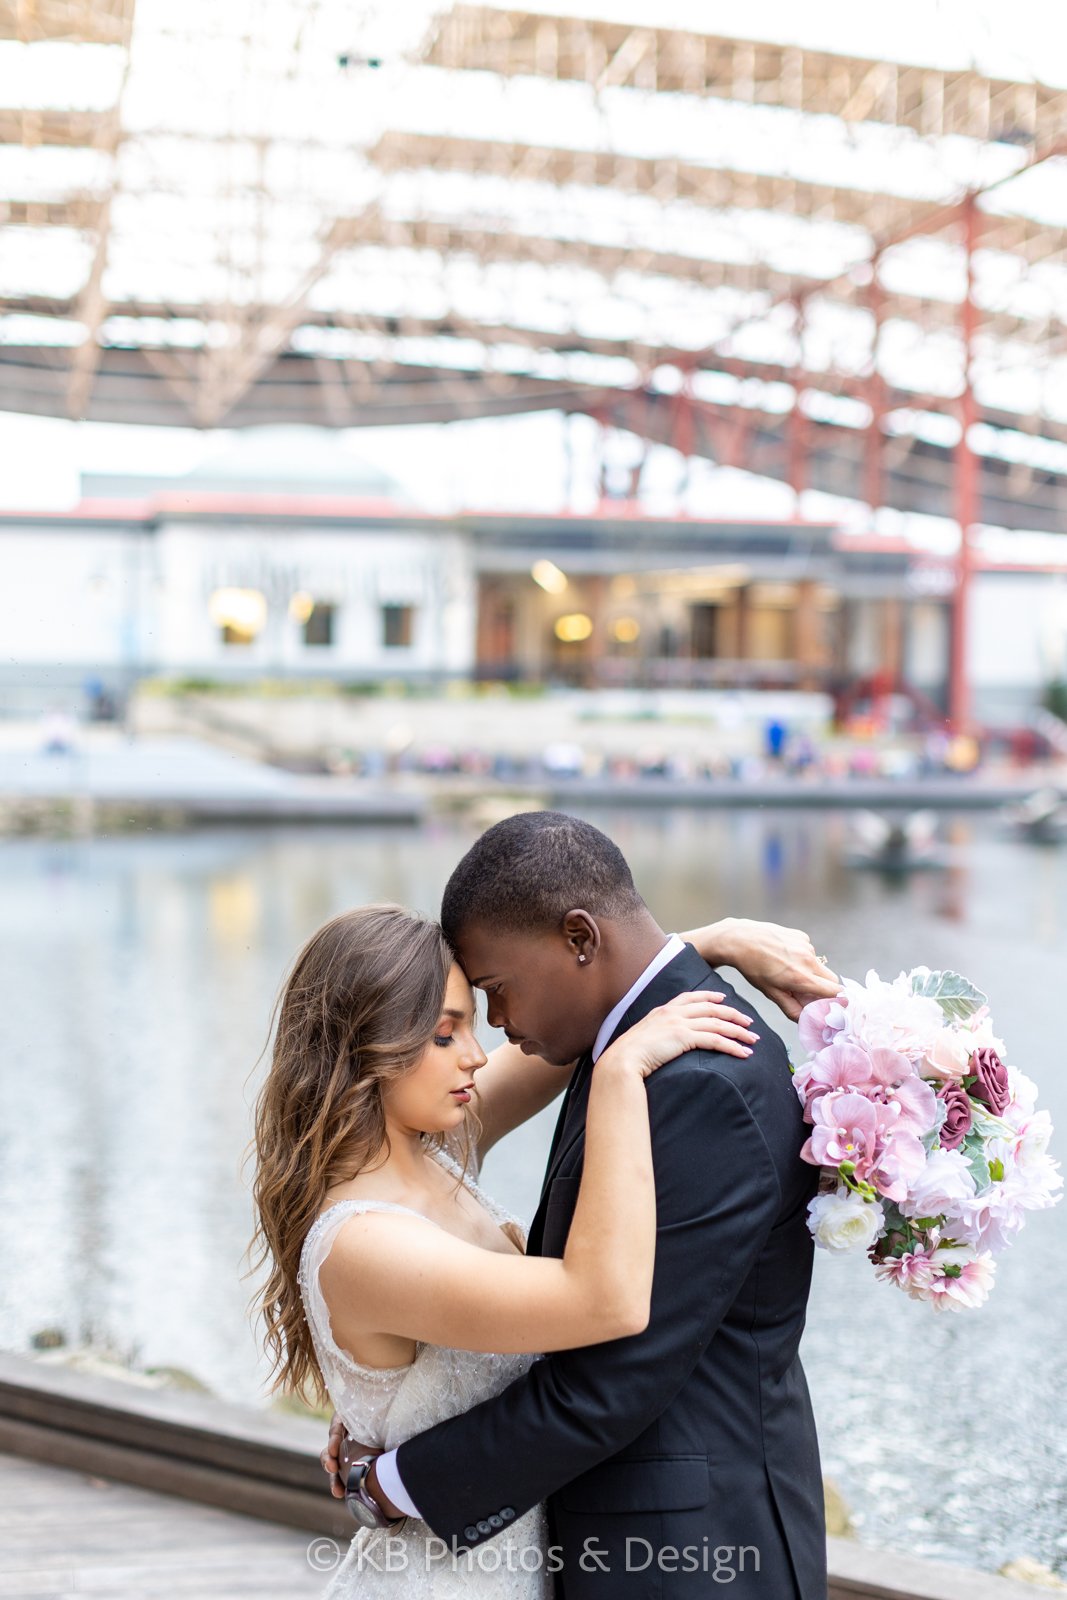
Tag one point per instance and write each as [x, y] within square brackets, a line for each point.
[258, 1463]
[266, 1465]
[858, 1573]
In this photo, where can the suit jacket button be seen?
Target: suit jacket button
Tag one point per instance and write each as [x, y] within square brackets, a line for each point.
[483, 1527]
[496, 1522]
[470, 1533]
[507, 1513]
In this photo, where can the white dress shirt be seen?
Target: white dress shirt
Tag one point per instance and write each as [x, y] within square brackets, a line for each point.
[387, 1471]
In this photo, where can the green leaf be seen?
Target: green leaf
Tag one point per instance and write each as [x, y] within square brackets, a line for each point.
[996, 1170]
[979, 1170]
[958, 998]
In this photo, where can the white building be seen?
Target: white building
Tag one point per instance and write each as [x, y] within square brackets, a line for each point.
[285, 556]
[288, 557]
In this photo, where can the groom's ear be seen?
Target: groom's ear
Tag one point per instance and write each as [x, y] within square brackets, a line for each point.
[583, 937]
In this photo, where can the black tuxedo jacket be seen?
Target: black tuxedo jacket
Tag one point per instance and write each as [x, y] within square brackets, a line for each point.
[683, 1458]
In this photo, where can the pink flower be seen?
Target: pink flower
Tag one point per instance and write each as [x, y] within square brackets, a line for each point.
[820, 1023]
[889, 1067]
[917, 1103]
[847, 1127]
[991, 1080]
[889, 1014]
[921, 1274]
[990, 1220]
[958, 1116]
[965, 1290]
[836, 1066]
[1023, 1091]
[898, 1164]
[914, 1272]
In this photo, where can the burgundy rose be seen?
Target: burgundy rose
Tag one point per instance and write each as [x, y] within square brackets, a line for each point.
[958, 1119]
[990, 1080]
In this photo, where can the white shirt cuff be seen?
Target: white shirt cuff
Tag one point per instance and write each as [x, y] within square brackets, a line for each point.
[391, 1485]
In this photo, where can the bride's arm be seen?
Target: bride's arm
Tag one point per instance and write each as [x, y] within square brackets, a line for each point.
[780, 962]
[388, 1273]
[510, 1089]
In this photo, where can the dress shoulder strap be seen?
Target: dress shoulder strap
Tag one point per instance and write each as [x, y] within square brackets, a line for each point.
[319, 1242]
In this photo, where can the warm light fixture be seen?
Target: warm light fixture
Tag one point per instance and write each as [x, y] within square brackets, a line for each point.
[244, 611]
[301, 606]
[626, 630]
[548, 575]
[574, 627]
[774, 596]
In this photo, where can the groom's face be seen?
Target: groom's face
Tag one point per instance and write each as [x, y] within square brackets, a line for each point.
[536, 990]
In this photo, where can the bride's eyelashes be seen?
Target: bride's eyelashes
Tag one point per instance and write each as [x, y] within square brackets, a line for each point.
[443, 1039]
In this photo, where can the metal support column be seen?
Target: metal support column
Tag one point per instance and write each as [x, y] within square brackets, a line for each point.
[967, 491]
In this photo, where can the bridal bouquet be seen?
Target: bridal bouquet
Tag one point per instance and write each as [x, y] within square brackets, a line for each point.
[931, 1146]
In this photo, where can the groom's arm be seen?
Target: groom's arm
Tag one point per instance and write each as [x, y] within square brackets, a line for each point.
[717, 1197]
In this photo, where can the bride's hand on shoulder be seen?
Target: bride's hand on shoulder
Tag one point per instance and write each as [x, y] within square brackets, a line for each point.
[695, 1021]
[780, 962]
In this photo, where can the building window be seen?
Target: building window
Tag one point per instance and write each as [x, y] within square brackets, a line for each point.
[398, 627]
[705, 620]
[239, 615]
[319, 624]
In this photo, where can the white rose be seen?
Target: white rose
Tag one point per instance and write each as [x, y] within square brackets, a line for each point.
[842, 1221]
[947, 1056]
[943, 1186]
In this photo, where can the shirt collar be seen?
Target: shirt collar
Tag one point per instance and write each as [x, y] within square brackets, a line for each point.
[672, 948]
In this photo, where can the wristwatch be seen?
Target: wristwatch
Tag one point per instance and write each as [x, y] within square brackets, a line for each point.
[359, 1500]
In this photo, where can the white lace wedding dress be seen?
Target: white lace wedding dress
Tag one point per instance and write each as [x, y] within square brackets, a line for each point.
[383, 1407]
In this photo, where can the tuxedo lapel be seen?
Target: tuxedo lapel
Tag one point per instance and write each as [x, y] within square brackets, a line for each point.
[579, 1077]
[581, 1071]
[687, 971]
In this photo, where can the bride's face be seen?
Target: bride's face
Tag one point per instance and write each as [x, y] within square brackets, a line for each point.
[434, 1095]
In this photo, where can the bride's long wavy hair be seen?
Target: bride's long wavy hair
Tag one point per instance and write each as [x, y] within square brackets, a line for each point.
[356, 1012]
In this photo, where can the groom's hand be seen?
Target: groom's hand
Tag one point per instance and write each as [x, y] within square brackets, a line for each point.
[339, 1454]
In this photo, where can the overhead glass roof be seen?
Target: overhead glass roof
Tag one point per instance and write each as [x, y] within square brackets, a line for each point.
[309, 210]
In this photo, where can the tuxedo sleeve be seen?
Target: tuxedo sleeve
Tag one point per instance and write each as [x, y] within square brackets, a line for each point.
[717, 1198]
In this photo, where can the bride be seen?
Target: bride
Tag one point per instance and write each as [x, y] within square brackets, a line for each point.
[396, 1287]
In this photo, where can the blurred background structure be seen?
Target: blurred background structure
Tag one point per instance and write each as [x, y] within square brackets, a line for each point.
[412, 412]
[811, 302]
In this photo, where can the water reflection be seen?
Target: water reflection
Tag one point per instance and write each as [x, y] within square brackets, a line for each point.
[138, 976]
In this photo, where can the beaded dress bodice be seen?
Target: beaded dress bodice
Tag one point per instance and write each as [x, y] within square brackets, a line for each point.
[383, 1406]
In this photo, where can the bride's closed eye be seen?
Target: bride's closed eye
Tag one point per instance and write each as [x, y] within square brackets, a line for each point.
[444, 1039]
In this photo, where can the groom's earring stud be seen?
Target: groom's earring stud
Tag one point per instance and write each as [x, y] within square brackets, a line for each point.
[581, 961]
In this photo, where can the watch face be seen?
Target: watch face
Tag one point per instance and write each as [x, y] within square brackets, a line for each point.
[356, 1497]
[361, 1513]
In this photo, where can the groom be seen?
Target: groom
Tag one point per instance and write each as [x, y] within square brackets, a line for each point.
[684, 1456]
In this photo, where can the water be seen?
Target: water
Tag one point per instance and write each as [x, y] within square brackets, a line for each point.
[136, 977]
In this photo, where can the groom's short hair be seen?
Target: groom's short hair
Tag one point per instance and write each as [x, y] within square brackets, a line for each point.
[528, 871]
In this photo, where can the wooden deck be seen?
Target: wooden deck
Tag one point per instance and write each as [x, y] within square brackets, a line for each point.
[239, 1506]
[66, 1534]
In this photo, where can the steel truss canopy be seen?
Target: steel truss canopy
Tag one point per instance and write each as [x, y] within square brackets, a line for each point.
[780, 258]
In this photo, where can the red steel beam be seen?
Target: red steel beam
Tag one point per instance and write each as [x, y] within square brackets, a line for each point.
[874, 444]
[966, 470]
[798, 433]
